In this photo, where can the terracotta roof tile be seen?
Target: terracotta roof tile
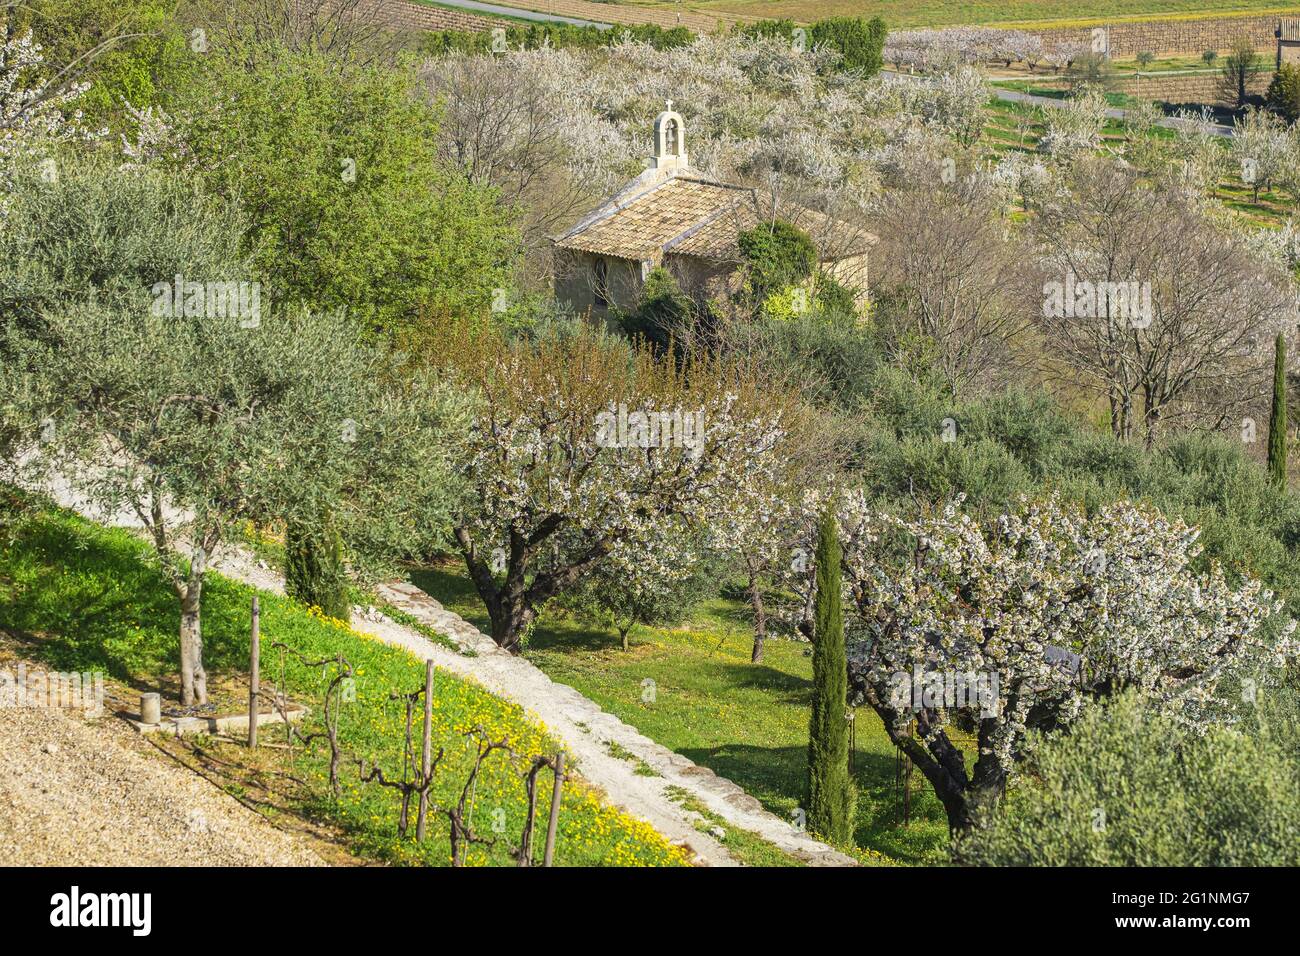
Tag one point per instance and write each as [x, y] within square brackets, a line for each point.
[689, 215]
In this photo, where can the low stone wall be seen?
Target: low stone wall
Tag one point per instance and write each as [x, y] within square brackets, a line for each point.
[1128, 38]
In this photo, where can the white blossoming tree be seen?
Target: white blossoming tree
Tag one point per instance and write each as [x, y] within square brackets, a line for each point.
[651, 583]
[1075, 128]
[1265, 150]
[584, 449]
[1038, 611]
[32, 110]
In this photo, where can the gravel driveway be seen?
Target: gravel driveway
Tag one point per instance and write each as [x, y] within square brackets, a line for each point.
[81, 793]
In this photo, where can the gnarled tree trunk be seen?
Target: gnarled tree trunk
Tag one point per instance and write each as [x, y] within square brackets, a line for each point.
[194, 678]
[760, 616]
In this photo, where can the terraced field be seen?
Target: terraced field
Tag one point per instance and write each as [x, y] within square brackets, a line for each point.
[704, 15]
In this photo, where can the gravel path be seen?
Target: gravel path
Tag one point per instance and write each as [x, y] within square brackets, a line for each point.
[75, 792]
[589, 734]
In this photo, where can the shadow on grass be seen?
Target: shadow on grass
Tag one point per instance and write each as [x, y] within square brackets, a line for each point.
[776, 776]
[83, 601]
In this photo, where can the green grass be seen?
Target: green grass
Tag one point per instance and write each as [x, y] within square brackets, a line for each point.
[79, 597]
[747, 847]
[747, 722]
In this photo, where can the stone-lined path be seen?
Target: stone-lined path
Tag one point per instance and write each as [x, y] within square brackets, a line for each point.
[580, 725]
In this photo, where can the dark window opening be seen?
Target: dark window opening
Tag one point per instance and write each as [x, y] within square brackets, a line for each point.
[601, 288]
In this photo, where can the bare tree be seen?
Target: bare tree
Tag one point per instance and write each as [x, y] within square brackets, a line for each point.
[504, 129]
[1151, 305]
[950, 275]
[348, 32]
[1238, 68]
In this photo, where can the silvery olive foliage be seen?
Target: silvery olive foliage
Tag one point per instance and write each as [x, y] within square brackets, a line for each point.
[1052, 607]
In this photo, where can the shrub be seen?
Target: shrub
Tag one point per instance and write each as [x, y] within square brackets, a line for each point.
[834, 299]
[859, 42]
[1283, 96]
[314, 571]
[663, 313]
[1128, 787]
[777, 255]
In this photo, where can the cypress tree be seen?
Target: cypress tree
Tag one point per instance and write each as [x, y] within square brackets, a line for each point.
[1277, 420]
[313, 569]
[831, 794]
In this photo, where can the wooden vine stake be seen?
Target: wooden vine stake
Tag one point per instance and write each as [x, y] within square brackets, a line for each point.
[551, 824]
[426, 753]
[254, 671]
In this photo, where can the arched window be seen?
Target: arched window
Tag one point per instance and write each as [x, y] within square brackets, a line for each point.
[670, 137]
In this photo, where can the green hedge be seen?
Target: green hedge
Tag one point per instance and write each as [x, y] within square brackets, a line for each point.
[858, 40]
[559, 35]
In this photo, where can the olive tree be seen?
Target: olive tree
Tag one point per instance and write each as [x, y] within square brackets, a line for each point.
[180, 399]
[1222, 798]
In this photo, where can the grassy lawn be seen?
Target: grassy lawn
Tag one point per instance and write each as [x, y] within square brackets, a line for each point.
[78, 597]
[747, 722]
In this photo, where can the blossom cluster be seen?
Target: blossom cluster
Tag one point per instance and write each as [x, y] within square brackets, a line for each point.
[1056, 605]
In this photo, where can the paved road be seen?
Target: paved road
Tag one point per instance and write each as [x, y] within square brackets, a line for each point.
[493, 8]
[1170, 122]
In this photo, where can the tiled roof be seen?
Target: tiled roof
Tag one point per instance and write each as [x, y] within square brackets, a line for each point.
[640, 225]
[683, 214]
